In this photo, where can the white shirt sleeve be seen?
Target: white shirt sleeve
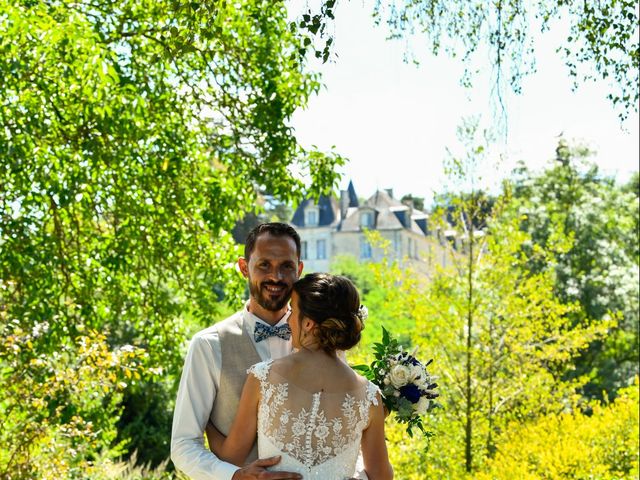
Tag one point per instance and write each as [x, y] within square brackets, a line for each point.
[196, 394]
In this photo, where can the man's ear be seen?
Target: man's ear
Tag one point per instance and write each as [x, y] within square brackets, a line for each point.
[243, 265]
[300, 267]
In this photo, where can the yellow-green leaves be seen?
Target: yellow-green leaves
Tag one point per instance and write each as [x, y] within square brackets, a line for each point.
[570, 445]
[60, 406]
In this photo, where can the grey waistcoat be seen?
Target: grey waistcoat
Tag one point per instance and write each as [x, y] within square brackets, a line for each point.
[238, 354]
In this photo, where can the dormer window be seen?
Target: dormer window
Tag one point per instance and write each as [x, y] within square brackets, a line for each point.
[311, 216]
[366, 219]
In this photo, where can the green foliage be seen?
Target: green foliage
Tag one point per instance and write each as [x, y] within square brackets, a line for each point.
[508, 336]
[602, 41]
[595, 222]
[316, 24]
[417, 202]
[134, 135]
[507, 363]
[109, 469]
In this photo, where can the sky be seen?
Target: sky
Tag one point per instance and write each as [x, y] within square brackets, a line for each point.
[394, 121]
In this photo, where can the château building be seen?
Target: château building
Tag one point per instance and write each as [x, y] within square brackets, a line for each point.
[332, 227]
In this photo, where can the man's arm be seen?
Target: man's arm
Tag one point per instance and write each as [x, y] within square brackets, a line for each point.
[236, 446]
[196, 394]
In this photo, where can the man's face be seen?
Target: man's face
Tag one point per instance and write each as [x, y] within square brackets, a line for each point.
[272, 269]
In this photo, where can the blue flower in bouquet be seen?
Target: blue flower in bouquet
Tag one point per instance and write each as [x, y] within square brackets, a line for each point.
[409, 359]
[411, 392]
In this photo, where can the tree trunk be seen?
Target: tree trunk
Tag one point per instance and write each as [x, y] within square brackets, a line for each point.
[469, 424]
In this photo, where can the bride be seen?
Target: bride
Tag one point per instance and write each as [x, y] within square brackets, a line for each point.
[309, 407]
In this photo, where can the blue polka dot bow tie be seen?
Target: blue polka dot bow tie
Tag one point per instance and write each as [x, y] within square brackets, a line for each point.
[263, 331]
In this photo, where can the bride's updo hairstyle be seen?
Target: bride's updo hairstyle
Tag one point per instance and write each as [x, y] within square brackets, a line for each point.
[333, 303]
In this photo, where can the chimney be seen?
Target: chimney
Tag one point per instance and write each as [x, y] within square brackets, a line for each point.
[344, 203]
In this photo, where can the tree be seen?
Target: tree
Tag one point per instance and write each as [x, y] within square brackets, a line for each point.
[415, 202]
[502, 339]
[271, 210]
[504, 336]
[598, 220]
[602, 40]
[134, 135]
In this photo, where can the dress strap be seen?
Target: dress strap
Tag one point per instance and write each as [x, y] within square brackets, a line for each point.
[260, 370]
[372, 391]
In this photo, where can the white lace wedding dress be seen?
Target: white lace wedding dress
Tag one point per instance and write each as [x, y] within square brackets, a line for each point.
[316, 433]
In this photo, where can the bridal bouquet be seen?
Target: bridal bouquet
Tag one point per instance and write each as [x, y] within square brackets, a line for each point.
[406, 386]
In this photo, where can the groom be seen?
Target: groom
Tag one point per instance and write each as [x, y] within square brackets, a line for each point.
[216, 365]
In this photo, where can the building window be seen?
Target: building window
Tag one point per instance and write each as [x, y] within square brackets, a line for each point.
[366, 219]
[311, 217]
[404, 219]
[365, 248]
[321, 249]
[397, 245]
[409, 249]
[303, 250]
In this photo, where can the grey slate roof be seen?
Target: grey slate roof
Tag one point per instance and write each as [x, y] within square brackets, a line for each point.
[328, 212]
[390, 214]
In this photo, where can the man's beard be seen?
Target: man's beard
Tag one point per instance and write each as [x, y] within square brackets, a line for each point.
[263, 298]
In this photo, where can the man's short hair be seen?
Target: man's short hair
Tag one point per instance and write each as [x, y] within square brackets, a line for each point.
[276, 229]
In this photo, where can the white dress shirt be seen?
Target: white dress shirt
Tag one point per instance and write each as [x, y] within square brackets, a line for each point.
[197, 391]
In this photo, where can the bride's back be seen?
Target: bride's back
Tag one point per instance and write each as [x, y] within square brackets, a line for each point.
[313, 408]
[318, 372]
[312, 412]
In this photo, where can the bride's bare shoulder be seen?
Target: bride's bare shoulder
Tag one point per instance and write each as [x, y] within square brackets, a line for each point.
[285, 364]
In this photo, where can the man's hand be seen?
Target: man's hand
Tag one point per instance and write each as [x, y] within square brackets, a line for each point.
[257, 470]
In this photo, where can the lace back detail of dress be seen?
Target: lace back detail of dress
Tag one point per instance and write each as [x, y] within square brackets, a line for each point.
[311, 428]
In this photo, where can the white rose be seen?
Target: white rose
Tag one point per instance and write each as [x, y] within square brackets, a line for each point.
[422, 406]
[399, 375]
[417, 373]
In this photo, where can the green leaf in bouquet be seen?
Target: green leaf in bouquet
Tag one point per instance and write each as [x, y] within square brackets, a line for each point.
[405, 409]
[385, 336]
[388, 390]
[365, 370]
[361, 368]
